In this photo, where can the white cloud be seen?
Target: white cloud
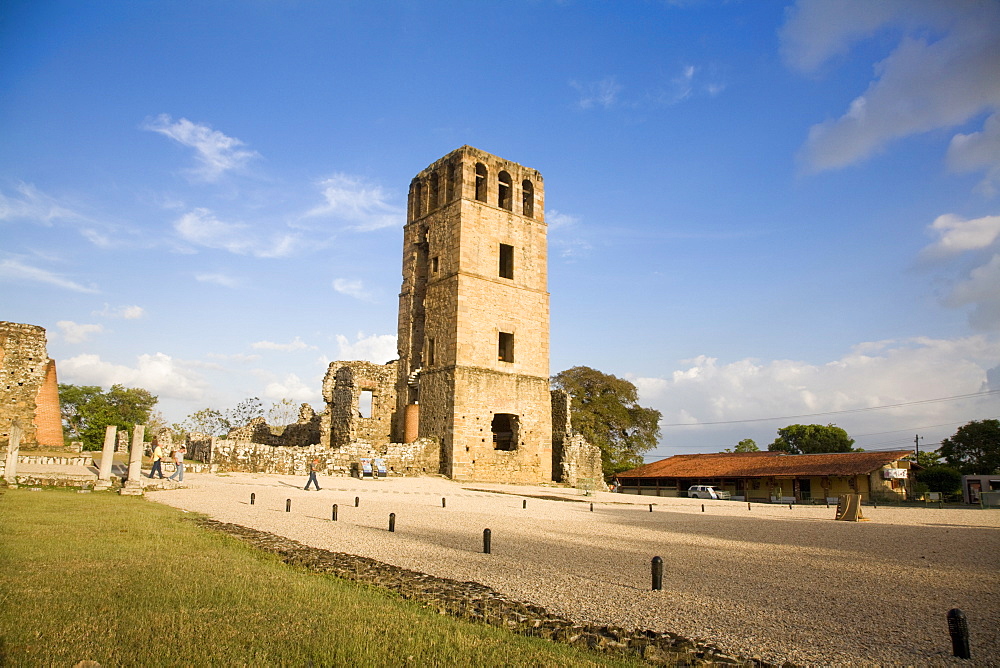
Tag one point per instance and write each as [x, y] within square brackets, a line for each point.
[17, 271]
[565, 240]
[957, 235]
[158, 373]
[216, 152]
[202, 227]
[964, 242]
[872, 374]
[77, 333]
[297, 344]
[123, 312]
[556, 219]
[218, 279]
[603, 93]
[291, 387]
[363, 206]
[979, 151]
[352, 288]
[375, 348]
[943, 72]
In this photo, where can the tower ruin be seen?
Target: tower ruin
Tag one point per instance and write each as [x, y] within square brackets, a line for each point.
[29, 391]
[473, 333]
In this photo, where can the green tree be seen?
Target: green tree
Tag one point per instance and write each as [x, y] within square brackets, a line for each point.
[944, 479]
[975, 447]
[800, 439]
[282, 413]
[87, 411]
[928, 459]
[746, 445]
[206, 421]
[605, 410]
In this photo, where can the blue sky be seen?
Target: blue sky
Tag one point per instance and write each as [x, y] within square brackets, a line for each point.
[757, 210]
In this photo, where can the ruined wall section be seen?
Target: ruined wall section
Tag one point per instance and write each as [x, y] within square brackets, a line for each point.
[29, 390]
[303, 433]
[574, 460]
[343, 421]
[401, 459]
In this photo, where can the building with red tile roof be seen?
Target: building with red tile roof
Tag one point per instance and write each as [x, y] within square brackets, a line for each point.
[777, 476]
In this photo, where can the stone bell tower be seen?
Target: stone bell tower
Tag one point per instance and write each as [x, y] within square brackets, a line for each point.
[474, 319]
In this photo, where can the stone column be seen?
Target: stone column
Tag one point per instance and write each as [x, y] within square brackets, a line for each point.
[134, 483]
[107, 458]
[13, 447]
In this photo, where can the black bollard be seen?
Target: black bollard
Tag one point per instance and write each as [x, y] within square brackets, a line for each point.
[357, 501]
[253, 497]
[288, 505]
[789, 506]
[524, 504]
[487, 536]
[333, 515]
[748, 505]
[651, 507]
[591, 507]
[657, 567]
[443, 504]
[703, 507]
[958, 627]
[392, 522]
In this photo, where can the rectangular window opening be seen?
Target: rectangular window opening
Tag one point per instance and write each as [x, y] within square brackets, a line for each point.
[434, 264]
[505, 347]
[430, 351]
[506, 261]
[365, 402]
[504, 427]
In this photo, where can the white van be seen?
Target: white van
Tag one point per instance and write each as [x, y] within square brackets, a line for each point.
[707, 492]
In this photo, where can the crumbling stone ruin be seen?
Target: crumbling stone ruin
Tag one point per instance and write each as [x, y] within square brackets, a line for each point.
[469, 396]
[29, 391]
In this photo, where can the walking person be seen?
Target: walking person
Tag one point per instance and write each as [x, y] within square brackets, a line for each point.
[157, 463]
[179, 463]
[313, 468]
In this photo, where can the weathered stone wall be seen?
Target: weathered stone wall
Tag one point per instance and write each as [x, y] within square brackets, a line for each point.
[342, 422]
[303, 433]
[28, 386]
[575, 460]
[417, 458]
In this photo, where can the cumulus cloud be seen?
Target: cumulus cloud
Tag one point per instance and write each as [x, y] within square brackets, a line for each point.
[942, 73]
[215, 152]
[352, 287]
[375, 348]
[17, 271]
[291, 387]
[203, 228]
[871, 375]
[962, 244]
[296, 344]
[159, 373]
[77, 333]
[363, 206]
[979, 151]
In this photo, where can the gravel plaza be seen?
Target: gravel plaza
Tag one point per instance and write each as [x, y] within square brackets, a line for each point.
[772, 582]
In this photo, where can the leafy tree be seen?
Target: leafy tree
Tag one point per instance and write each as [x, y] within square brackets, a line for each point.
[206, 421]
[800, 439]
[87, 411]
[605, 410]
[246, 410]
[746, 445]
[282, 413]
[928, 459]
[944, 479]
[975, 447]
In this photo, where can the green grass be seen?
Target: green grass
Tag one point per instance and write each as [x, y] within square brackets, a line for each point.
[124, 581]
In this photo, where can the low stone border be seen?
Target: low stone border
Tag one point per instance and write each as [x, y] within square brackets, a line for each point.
[476, 602]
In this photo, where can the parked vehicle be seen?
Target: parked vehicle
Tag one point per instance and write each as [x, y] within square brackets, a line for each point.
[707, 492]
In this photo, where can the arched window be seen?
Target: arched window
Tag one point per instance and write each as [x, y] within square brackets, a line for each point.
[480, 182]
[505, 191]
[418, 197]
[452, 181]
[432, 202]
[527, 198]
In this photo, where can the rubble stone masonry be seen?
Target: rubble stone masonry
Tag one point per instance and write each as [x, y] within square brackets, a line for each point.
[29, 390]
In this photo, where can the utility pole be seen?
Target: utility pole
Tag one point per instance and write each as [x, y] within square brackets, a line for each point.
[916, 447]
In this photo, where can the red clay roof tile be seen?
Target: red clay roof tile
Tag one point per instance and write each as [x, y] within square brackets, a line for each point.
[765, 464]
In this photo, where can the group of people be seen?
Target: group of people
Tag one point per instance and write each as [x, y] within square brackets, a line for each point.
[176, 455]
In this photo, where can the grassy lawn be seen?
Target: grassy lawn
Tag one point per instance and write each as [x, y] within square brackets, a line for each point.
[123, 581]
